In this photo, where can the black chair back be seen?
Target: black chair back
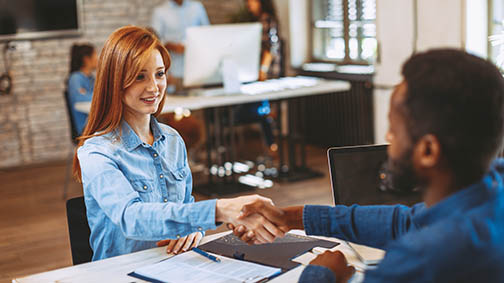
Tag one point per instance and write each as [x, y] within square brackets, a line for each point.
[74, 134]
[79, 231]
[359, 176]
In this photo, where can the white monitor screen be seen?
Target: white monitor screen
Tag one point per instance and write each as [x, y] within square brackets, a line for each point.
[206, 47]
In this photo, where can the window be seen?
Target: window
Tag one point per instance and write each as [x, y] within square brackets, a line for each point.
[344, 31]
[496, 27]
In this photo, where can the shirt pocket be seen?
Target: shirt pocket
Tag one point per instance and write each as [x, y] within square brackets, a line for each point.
[145, 189]
[176, 183]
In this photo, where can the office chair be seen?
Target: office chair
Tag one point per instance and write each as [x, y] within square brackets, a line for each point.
[359, 176]
[78, 230]
[73, 134]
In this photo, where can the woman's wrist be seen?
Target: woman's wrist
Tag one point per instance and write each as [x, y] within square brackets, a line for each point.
[222, 210]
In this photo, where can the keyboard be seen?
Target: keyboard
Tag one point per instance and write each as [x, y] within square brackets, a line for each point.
[268, 86]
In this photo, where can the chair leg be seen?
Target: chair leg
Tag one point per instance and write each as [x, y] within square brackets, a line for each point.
[67, 174]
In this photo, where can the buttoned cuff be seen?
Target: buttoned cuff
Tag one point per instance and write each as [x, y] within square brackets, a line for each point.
[316, 273]
[204, 217]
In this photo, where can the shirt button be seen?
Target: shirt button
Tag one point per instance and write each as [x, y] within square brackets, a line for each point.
[178, 236]
[200, 229]
[165, 200]
[155, 155]
[161, 176]
[145, 187]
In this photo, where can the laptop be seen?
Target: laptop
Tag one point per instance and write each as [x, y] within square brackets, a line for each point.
[359, 175]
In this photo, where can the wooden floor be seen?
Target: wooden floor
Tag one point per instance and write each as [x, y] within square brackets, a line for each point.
[33, 228]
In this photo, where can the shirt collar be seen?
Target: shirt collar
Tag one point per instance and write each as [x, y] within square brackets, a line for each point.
[464, 199]
[131, 140]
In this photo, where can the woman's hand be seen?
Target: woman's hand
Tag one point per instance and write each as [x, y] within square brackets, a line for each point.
[183, 244]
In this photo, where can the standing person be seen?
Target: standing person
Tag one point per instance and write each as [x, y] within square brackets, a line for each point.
[446, 127]
[81, 81]
[170, 21]
[136, 179]
[263, 11]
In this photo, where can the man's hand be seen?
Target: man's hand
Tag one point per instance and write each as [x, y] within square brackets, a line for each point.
[183, 244]
[337, 263]
[229, 210]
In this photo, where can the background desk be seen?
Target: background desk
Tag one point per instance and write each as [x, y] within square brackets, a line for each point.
[202, 102]
[115, 269]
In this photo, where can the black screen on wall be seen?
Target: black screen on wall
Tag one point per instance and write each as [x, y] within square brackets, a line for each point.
[19, 17]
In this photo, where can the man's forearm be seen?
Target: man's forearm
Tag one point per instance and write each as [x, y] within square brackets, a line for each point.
[369, 225]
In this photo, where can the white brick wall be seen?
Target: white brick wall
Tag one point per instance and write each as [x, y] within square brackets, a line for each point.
[33, 120]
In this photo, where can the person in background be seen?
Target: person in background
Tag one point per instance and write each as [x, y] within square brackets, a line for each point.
[170, 21]
[262, 11]
[136, 178]
[81, 81]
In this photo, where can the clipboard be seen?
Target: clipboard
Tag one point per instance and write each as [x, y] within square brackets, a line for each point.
[276, 254]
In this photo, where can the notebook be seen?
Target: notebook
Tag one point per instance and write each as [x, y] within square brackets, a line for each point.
[278, 254]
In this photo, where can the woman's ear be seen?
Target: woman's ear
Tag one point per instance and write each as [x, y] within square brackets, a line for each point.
[427, 151]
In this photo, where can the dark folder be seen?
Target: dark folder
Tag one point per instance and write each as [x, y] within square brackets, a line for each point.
[277, 254]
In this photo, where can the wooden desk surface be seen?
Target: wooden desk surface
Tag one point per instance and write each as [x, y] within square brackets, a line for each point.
[115, 269]
[202, 102]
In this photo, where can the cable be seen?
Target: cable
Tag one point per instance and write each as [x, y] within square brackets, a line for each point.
[5, 78]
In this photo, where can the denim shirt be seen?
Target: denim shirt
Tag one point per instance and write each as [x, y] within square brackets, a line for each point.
[137, 194]
[80, 88]
[460, 239]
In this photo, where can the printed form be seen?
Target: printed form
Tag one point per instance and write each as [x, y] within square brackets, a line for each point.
[193, 267]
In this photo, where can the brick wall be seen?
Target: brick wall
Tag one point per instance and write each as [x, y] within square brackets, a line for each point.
[33, 120]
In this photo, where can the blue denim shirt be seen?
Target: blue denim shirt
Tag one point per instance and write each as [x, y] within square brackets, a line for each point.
[137, 194]
[460, 239]
[80, 88]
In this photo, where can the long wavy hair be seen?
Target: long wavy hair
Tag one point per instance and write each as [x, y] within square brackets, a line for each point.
[121, 60]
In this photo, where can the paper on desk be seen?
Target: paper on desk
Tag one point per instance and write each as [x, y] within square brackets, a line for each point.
[192, 267]
[367, 254]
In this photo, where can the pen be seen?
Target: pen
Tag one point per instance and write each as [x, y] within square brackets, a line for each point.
[207, 255]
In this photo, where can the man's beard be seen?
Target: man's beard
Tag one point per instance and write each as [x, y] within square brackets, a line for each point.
[402, 174]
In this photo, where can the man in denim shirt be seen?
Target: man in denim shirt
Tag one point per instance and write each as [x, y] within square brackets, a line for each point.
[446, 128]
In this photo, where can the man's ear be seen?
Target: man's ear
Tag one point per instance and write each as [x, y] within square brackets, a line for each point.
[427, 151]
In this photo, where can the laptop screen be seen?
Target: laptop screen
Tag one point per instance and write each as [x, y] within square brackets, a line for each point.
[358, 176]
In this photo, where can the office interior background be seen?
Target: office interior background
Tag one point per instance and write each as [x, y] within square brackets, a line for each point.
[363, 42]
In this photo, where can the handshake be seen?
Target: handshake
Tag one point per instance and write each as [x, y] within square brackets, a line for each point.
[256, 220]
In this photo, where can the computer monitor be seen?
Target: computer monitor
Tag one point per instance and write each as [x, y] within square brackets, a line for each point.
[207, 48]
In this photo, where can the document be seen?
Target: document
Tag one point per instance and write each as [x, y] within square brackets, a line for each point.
[193, 267]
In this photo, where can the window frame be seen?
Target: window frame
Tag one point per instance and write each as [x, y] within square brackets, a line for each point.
[491, 26]
[346, 37]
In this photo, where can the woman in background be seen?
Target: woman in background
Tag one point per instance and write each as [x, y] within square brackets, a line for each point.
[263, 11]
[134, 170]
[80, 84]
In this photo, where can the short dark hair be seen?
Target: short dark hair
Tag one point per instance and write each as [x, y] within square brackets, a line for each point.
[77, 54]
[458, 98]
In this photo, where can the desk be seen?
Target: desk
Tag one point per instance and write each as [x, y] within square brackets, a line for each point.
[115, 269]
[217, 107]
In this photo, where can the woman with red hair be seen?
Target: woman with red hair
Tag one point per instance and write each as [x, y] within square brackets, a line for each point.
[136, 179]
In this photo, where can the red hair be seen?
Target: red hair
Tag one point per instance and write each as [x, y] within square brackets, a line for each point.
[121, 60]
